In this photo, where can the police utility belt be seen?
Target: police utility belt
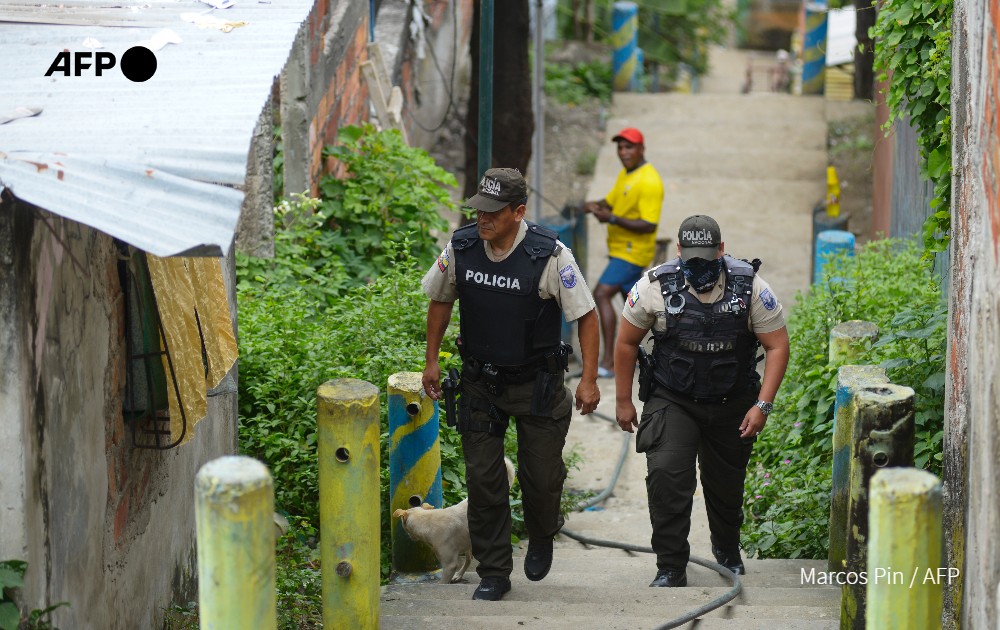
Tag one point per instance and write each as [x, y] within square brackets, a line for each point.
[546, 373]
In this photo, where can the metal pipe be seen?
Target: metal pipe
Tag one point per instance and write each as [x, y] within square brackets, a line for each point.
[414, 470]
[538, 94]
[348, 445]
[485, 86]
[234, 519]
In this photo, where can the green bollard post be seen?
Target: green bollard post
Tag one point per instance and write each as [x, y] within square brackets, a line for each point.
[883, 437]
[414, 470]
[234, 517]
[348, 439]
[905, 574]
[850, 379]
[847, 340]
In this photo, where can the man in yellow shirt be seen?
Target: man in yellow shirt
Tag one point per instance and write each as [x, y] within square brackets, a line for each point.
[632, 211]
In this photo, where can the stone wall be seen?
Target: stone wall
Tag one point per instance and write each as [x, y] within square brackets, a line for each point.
[972, 442]
[105, 526]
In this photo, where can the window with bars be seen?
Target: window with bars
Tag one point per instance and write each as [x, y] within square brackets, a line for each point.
[149, 371]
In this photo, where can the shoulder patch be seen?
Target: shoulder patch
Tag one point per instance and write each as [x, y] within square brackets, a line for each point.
[567, 275]
[770, 302]
[633, 295]
[442, 261]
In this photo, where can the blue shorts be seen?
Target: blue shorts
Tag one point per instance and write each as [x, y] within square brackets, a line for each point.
[621, 274]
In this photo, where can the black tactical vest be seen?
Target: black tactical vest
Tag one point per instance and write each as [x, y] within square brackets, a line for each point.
[707, 350]
[503, 321]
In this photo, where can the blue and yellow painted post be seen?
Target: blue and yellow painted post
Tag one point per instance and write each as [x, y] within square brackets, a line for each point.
[414, 469]
[348, 443]
[624, 42]
[905, 570]
[234, 518]
[850, 379]
[814, 48]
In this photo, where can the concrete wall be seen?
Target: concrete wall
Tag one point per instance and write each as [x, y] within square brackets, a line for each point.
[103, 526]
[435, 83]
[322, 88]
[972, 442]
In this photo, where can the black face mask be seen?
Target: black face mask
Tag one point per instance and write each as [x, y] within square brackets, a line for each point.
[702, 274]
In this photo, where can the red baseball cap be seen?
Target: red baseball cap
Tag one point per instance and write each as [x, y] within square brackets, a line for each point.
[631, 134]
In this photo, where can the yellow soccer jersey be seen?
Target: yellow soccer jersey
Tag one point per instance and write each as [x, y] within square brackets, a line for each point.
[636, 195]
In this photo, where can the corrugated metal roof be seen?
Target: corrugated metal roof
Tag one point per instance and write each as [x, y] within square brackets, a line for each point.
[157, 164]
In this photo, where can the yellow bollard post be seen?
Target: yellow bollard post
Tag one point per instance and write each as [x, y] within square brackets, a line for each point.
[848, 340]
[348, 439]
[832, 192]
[905, 574]
[414, 471]
[234, 516]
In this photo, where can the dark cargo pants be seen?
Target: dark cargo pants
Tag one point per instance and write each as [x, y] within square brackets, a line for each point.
[674, 431]
[540, 472]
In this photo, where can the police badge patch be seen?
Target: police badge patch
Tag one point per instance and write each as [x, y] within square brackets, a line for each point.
[770, 302]
[442, 261]
[568, 276]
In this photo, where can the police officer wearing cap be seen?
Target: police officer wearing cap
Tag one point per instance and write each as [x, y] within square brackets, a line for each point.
[631, 211]
[512, 279]
[709, 314]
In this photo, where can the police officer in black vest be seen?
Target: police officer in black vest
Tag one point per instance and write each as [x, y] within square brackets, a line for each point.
[512, 279]
[709, 314]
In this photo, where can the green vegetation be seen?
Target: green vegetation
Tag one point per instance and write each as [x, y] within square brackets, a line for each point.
[11, 579]
[787, 502]
[913, 41]
[574, 84]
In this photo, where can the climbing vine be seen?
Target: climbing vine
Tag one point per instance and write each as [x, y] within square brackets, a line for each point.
[913, 52]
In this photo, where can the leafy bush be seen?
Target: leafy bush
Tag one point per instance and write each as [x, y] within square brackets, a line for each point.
[887, 283]
[11, 579]
[390, 190]
[574, 84]
[913, 55]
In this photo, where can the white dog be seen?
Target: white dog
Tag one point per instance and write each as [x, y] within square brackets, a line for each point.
[446, 531]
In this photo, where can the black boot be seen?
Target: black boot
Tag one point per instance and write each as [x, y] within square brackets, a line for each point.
[668, 578]
[492, 588]
[538, 561]
[730, 559]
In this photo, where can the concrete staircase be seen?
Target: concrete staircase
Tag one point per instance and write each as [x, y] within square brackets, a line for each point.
[757, 163]
[605, 589]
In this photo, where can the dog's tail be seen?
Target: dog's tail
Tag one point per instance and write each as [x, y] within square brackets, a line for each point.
[510, 471]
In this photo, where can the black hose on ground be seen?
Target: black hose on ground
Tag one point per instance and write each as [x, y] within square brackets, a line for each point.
[718, 602]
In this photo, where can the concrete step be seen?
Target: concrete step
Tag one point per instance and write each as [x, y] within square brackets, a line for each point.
[600, 606]
[754, 110]
[679, 133]
[605, 622]
[592, 591]
[724, 163]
